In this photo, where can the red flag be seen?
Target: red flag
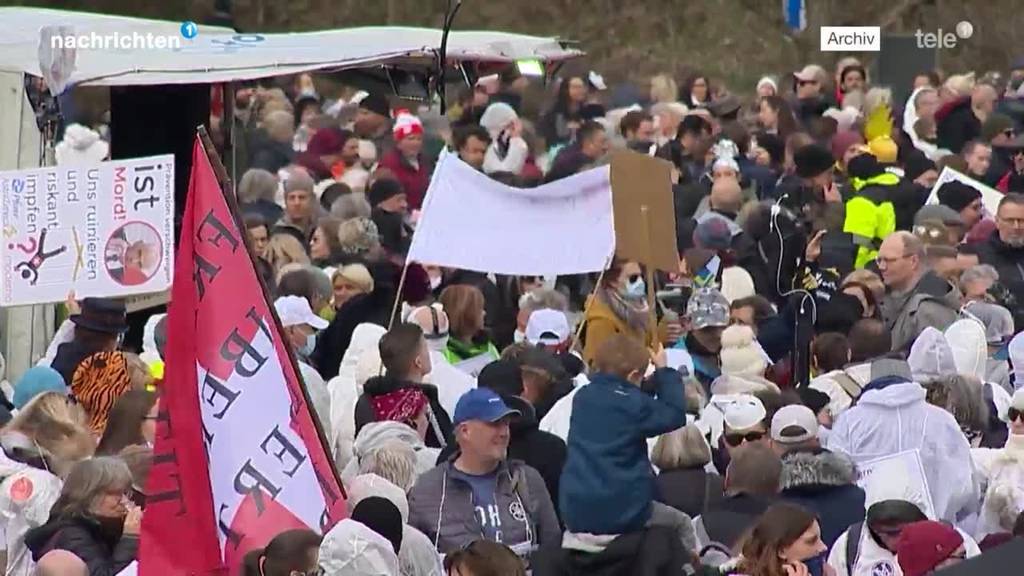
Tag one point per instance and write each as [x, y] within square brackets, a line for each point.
[238, 457]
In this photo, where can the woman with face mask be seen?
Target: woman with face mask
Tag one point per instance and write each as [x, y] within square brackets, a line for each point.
[619, 306]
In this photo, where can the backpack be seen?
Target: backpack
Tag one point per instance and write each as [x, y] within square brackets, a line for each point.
[853, 546]
[714, 554]
[848, 384]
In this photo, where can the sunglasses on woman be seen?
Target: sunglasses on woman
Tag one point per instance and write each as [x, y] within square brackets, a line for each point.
[1013, 414]
[735, 440]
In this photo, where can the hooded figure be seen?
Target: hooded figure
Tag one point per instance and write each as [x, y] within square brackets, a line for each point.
[417, 556]
[346, 387]
[377, 434]
[910, 118]
[1002, 472]
[891, 416]
[931, 356]
[352, 549]
[507, 151]
[151, 350]
[970, 354]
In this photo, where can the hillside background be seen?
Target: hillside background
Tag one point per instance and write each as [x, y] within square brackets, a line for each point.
[734, 41]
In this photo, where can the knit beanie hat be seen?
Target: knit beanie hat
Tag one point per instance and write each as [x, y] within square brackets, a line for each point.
[924, 545]
[812, 160]
[713, 233]
[994, 125]
[864, 166]
[842, 141]
[497, 117]
[737, 284]
[37, 380]
[382, 190]
[739, 355]
[406, 125]
[377, 104]
[957, 195]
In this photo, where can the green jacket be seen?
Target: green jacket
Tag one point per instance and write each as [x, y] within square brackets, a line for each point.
[870, 215]
[458, 351]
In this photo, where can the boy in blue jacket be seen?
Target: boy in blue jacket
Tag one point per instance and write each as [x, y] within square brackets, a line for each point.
[607, 485]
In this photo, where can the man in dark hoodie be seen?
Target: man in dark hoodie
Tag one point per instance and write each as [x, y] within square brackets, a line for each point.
[819, 480]
[590, 145]
[959, 121]
[1004, 249]
[540, 450]
[915, 296]
[406, 359]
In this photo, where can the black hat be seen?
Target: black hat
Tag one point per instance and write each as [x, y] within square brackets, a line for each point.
[725, 106]
[957, 195]
[864, 166]
[813, 160]
[693, 124]
[382, 516]
[102, 315]
[376, 103]
[382, 189]
[816, 400]
[538, 358]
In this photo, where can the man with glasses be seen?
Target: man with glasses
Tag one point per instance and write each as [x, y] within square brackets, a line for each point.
[1004, 250]
[915, 296]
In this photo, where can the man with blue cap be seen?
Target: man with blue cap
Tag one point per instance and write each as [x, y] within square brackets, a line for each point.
[478, 491]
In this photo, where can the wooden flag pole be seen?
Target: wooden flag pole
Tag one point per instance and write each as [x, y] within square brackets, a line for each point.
[229, 196]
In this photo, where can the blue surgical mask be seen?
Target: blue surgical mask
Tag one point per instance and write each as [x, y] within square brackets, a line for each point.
[307, 349]
[635, 290]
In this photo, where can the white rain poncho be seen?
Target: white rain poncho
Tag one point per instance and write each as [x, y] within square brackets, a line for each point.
[346, 387]
[931, 356]
[895, 419]
[352, 549]
[375, 434]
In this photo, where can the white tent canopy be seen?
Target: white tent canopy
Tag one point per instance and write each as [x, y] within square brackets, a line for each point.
[221, 55]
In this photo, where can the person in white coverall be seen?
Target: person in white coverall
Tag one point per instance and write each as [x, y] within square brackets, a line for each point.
[891, 417]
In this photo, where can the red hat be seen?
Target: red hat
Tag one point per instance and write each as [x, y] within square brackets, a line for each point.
[406, 125]
[924, 545]
[402, 405]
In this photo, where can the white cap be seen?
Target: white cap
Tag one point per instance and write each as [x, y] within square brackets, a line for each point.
[794, 416]
[547, 326]
[1018, 400]
[744, 412]
[295, 310]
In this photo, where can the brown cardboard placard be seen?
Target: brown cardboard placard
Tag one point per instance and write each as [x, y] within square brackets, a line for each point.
[639, 180]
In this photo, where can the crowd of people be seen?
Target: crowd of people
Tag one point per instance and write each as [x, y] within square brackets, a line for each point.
[828, 384]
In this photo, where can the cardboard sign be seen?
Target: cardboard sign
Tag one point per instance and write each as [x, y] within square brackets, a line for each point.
[990, 197]
[900, 475]
[646, 235]
[103, 229]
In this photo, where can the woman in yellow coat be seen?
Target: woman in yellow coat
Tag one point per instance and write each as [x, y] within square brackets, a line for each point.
[619, 306]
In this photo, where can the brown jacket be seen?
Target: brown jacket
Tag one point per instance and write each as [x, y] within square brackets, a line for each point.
[602, 323]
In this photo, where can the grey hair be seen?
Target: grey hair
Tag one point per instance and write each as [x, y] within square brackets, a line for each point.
[351, 206]
[963, 397]
[257, 184]
[979, 272]
[543, 299]
[88, 480]
[324, 289]
[394, 461]
[682, 448]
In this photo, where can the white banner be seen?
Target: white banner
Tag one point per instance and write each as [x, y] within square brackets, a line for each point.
[900, 475]
[105, 229]
[473, 222]
[990, 197]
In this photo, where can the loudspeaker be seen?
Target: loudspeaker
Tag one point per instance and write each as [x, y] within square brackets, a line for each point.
[151, 120]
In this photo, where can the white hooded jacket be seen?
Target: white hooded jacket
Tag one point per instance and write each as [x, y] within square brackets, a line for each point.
[1002, 471]
[26, 496]
[969, 346]
[345, 389]
[895, 419]
[375, 434]
[352, 549]
[451, 382]
[874, 560]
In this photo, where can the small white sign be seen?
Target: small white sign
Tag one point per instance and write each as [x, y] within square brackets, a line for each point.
[900, 475]
[990, 197]
[851, 38]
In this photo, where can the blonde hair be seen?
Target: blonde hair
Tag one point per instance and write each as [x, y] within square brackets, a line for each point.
[394, 461]
[279, 125]
[682, 448]
[869, 279]
[58, 429]
[356, 274]
[465, 307]
[284, 249]
[875, 97]
[664, 89]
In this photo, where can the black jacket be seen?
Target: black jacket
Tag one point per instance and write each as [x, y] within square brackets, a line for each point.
[69, 356]
[956, 125]
[570, 160]
[1009, 262]
[105, 552]
[654, 551]
[689, 490]
[380, 385]
[372, 308]
[271, 155]
[542, 451]
[726, 522]
[824, 483]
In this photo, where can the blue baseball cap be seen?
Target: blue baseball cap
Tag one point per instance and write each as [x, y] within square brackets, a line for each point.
[481, 404]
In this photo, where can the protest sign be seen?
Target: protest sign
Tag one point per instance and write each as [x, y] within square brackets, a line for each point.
[990, 197]
[900, 475]
[474, 222]
[646, 235]
[238, 457]
[103, 229]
